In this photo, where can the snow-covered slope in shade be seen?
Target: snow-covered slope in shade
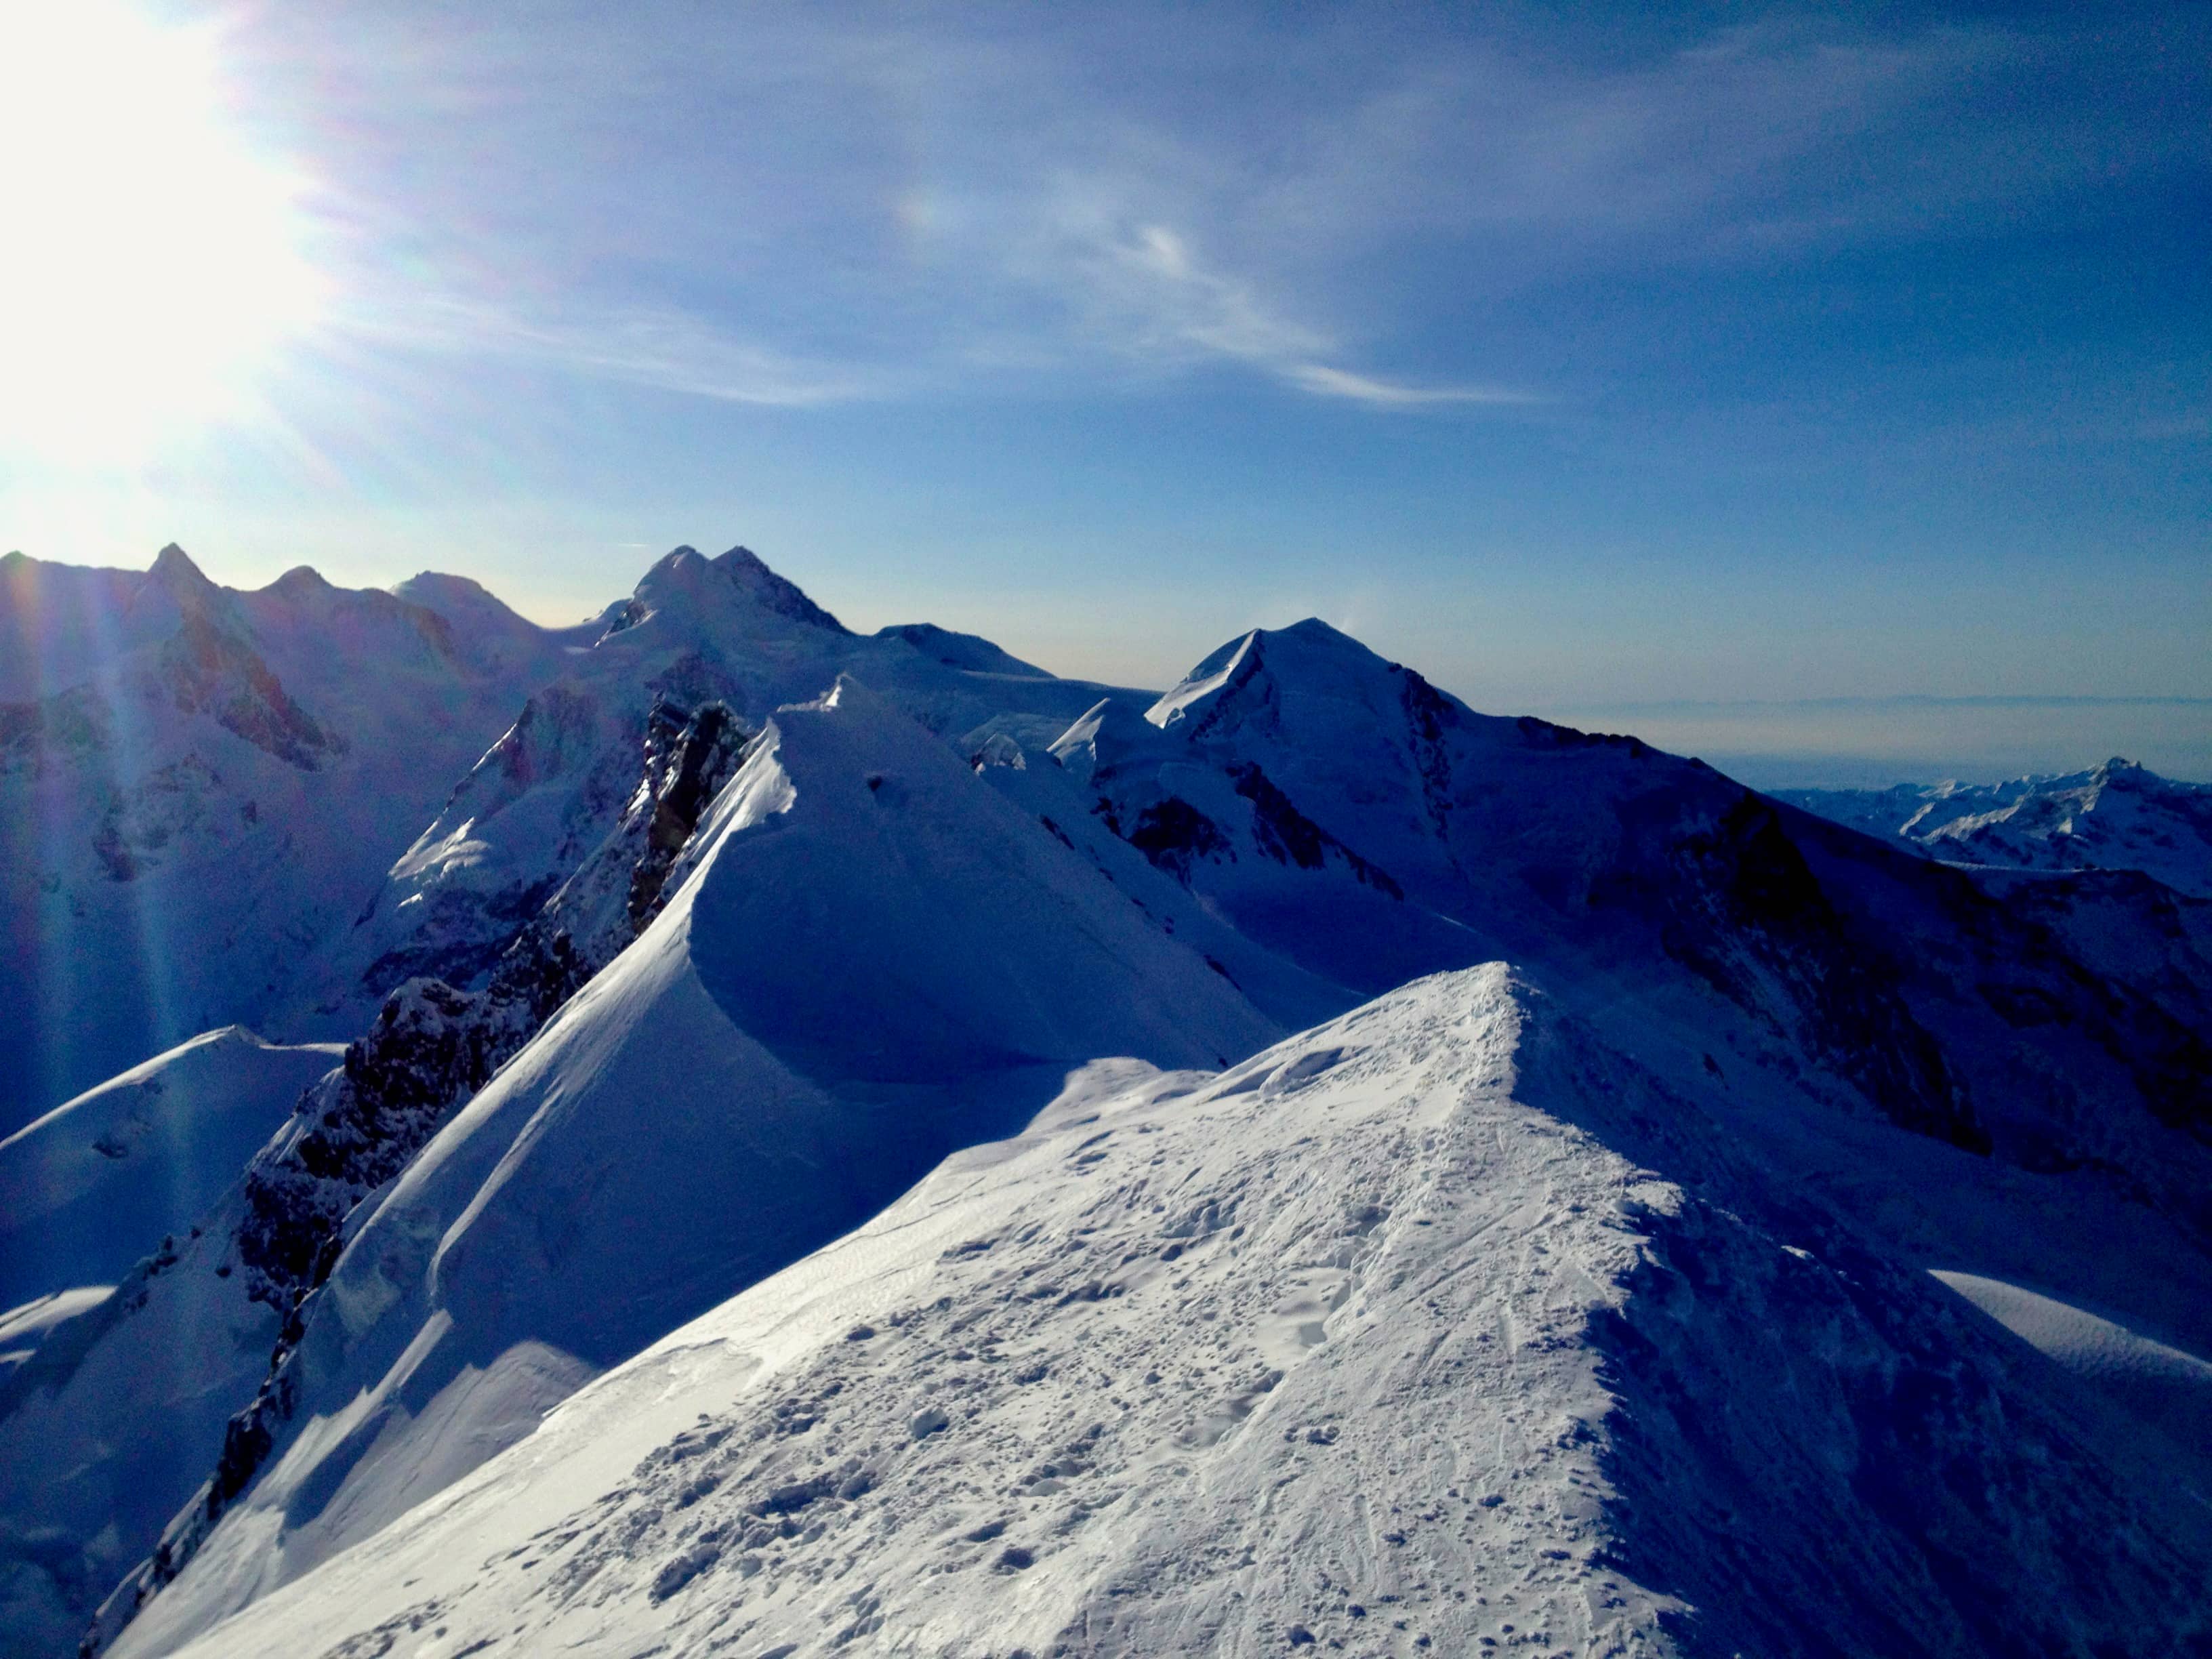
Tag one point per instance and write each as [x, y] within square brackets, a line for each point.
[96, 1183]
[2158, 1383]
[869, 958]
[725, 628]
[198, 785]
[1444, 1327]
[118, 1410]
[2119, 816]
[1340, 812]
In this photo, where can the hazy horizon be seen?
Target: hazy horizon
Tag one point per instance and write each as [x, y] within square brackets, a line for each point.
[1833, 742]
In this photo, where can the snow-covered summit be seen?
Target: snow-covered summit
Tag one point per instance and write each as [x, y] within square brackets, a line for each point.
[967, 651]
[176, 756]
[869, 958]
[741, 922]
[197, 784]
[1343, 813]
[723, 587]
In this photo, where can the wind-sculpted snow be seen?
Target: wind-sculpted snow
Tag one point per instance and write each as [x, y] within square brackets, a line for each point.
[102, 1388]
[867, 958]
[747, 922]
[96, 1183]
[213, 804]
[698, 630]
[1386, 1340]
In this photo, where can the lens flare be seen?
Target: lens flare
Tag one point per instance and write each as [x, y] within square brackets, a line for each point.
[152, 263]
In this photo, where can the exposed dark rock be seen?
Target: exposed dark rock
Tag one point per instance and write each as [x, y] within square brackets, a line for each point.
[1172, 832]
[1287, 835]
[431, 1049]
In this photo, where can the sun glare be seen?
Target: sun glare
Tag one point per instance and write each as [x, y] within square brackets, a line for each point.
[150, 264]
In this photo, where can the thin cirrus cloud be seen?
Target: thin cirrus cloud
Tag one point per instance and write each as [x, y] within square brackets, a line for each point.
[1151, 303]
[670, 350]
[1186, 307]
[1096, 200]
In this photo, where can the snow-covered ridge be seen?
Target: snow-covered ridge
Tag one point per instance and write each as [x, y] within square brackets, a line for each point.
[1391, 1338]
[2119, 815]
[743, 922]
[177, 757]
[99, 1181]
[866, 959]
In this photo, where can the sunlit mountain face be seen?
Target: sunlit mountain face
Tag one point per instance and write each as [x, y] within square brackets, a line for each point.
[1289, 1154]
[1386, 921]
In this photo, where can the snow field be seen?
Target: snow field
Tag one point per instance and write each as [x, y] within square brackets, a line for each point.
[1210, 1365]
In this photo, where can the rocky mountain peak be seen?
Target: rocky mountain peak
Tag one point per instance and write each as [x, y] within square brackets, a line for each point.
[184, 581]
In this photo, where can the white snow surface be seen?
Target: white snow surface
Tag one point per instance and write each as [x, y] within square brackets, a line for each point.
[113, 1418]
[2166, 1386]
[96, 1184]
[198, 785]
[697, 628]
[1670, 1305]
[213, 804]
[871, 959]
[2119, 815]
[1379, 1340]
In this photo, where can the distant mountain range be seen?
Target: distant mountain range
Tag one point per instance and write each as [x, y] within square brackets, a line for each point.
[851, 1141]
[2119, 815]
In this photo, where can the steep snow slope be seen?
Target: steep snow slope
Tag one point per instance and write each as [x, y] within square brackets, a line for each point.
[1340, 811]
[212, 803]
[197, 785]
[114, 1413]
[1446, 1327]
[697, 629]
[869, 958]
[872, 953]
[120, 1400]
[95, 1183]
[2119, 815]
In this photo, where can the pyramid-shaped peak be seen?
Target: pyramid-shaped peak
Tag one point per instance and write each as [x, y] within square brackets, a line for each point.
[174, 567]
[1258, 669]
[751, 574]
[684, 576]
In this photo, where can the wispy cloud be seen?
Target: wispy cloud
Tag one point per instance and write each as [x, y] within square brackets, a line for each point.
[791, 210]
[661, 348]
[1182, 307]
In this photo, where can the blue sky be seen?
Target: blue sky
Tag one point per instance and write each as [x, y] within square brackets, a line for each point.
[1581, 359]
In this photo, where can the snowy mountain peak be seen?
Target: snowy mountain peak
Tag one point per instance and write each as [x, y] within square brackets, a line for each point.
[751, 574]
[1309, 664]
[955, 650]
[735, 585]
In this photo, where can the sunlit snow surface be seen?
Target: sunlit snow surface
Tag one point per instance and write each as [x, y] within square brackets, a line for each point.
[1633, 1238]
[2119, 815]
[1377, 1338]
